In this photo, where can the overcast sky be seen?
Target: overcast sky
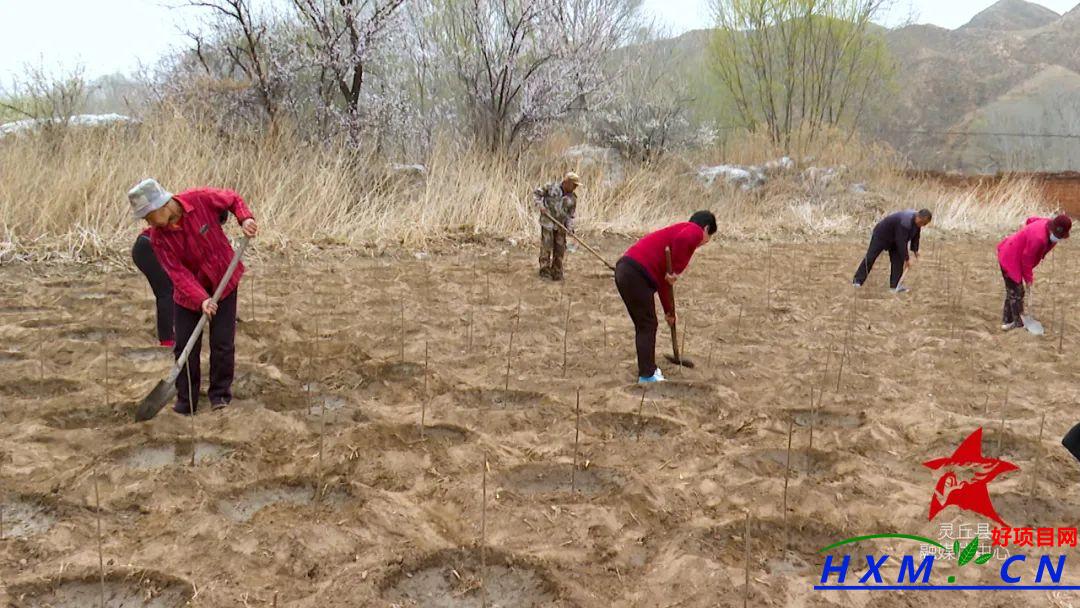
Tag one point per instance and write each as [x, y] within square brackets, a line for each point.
[106, 36]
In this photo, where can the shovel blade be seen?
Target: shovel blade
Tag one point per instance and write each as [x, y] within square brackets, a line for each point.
[684, 362]
[1033, 326]
[156, 400]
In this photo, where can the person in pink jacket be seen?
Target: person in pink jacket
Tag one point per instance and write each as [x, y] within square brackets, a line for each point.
[1019, 254]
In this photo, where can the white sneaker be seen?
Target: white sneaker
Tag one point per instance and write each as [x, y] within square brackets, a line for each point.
[856, 285]
[900, 289]
[1008, 326]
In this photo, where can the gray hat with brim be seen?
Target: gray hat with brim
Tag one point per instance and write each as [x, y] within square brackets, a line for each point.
[148, 196]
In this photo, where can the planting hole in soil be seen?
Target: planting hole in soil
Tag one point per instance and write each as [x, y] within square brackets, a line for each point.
[90, 335]
[497, 398]
[246, 506]
[626, 424]
[41, 323]
[24, 518]
[11, 357]
[331, 402]
[452, 579]
[153, 457]
[446, 434]
[120, 592]
[828, 418]
[68, 419]
[27, 388]
[539, 479]
[698, 394]
[148, 354]
[771, 463]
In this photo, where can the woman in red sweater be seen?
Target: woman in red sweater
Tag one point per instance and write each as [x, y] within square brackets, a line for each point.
[642, 272]
[189, 243]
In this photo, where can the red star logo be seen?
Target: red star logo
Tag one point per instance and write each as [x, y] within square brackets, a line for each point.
[963, 482]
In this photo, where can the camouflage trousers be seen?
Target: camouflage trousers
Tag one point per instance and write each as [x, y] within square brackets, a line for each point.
[552, 250]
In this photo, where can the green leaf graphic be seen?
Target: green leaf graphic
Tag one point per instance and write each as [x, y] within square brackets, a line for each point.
[956, 547]
[969, 552]
[982, 559]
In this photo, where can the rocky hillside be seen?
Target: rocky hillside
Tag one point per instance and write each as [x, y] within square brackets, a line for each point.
[1007, 71]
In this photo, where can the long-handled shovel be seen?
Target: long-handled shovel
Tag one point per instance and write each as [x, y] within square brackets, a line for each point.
[675, 358]
[165, 389]
[576, 238]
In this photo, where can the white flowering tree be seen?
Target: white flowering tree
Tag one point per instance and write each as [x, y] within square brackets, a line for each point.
[346, 36]
[520, 65]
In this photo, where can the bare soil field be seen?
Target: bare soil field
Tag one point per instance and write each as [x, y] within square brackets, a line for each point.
[319, 488]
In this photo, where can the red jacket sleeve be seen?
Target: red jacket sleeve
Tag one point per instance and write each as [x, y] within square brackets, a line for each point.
[1030, 257]
[683, 245]
[187, 291]
[221, 200]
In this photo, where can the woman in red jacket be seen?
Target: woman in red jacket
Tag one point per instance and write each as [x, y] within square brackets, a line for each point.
[642, 272]
[1019, 254]
[192, 248]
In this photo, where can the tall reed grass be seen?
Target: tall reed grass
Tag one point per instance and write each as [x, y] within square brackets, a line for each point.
[65, 195]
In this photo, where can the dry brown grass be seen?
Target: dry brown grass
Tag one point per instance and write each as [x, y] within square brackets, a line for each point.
[66, 197]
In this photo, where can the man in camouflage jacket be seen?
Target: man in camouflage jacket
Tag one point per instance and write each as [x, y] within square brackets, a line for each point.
[559, 201]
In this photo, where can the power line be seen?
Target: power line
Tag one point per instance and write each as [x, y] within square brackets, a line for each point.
[949, 133]
[979, 133]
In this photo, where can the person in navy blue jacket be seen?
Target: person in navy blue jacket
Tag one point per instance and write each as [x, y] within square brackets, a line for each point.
[895, 234]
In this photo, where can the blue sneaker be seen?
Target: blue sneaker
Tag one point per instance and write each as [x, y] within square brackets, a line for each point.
[657, 376]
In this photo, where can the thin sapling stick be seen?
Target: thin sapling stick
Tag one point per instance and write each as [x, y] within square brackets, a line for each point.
[469, 329]
[577, 434]
[640, 409]
[768, 278]
[510, 347]
[787, 475]
[566, 334]
[251, 279]
[97, 517]
[1001, 431]
[427, 393]
[192, 395]
[483, 534]
[1038, 456]
[746, 562]
[813, 421]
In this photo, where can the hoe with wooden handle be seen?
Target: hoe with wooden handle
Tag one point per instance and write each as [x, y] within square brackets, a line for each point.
[676, 358]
